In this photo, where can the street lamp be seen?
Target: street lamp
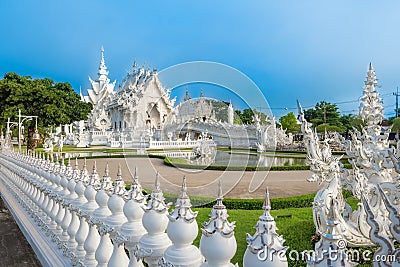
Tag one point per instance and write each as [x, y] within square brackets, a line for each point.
[21, 119]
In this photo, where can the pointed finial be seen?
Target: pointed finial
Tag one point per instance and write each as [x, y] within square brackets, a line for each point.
[135, 177]
[220, 197]
[69, 162]
[76, 164]
[267, 202]
[267, 208]
[95, 166]
[119, 172]
[184, 188]
[220, 189]
[157, 183]
[106, 171]
[370, 66]
[102, 49]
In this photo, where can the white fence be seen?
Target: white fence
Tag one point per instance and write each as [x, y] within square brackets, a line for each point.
[73, 218]
[173, 144]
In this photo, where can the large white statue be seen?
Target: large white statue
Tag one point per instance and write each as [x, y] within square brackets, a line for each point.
[369, 153]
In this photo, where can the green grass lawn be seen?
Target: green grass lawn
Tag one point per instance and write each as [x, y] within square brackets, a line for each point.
[297, 230]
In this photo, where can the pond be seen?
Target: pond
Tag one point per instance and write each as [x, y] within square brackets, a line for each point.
[222, 158]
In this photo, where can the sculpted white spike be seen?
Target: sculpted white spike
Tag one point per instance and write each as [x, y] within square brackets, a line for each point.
[218, 243]
[265, 247]
[182, 230]
[153, 244]
[119, 184]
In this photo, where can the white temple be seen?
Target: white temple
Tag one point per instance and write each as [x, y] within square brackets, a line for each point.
[100, 90]
[140, 113]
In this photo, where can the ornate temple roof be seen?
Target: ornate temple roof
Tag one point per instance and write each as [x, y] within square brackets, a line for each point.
[138, 83]
[101, 88]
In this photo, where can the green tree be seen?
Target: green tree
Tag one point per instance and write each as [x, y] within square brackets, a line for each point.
[246, 116]
[350, 120]
[325, 113]
[53, 103]
[396, 125]
[289, 123]
[329, 128]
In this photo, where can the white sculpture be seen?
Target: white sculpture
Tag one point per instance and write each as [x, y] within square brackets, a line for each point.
[205, 150]
[283, 140]
[133, 229]
[48, 144]
[115, 221]
[331, 248]
[387, 254]
[265, 247]
[218, 243]
[153, 244]
[104, 250]
[370, 156]
[93, 237]
[182, 230]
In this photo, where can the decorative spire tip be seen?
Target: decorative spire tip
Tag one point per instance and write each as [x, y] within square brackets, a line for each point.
[106, 171]
[184, 188]
[119, 172]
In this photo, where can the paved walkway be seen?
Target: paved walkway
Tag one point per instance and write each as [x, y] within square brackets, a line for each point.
[15, 250]
[236, 184]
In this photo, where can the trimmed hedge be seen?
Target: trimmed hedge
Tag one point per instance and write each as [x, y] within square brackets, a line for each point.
[257, 204]
[303, 201]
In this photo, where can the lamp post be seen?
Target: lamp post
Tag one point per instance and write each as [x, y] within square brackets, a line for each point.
[21, 120]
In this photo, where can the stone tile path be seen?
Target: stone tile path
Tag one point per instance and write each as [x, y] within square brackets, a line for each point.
[14, 248]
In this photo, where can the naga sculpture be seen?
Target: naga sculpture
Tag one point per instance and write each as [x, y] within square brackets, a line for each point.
[372, 163]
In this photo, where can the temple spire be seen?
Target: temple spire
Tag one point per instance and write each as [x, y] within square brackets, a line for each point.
[187, 96]
[371, 107]
[102, 68]
[81, 95]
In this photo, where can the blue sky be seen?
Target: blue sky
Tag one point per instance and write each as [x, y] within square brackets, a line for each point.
[309, 50]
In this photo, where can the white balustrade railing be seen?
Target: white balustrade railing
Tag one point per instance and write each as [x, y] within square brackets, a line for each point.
[173, 144]
[75, 218]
